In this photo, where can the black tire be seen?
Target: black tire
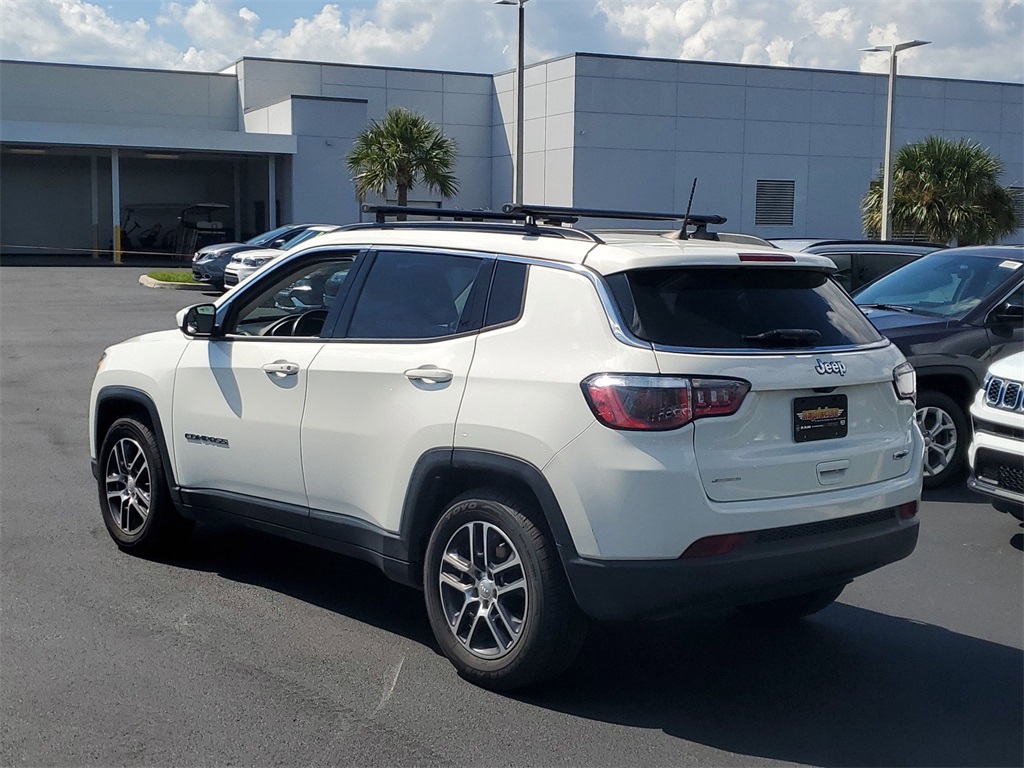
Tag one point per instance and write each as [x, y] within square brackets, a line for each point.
[162, 530]
[936, 403]
[552, 628]
[792, 608]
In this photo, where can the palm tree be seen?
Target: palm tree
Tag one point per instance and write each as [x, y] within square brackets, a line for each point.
[403, 149]
[945, 189]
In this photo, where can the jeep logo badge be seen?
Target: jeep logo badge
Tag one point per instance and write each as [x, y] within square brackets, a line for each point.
[823, 368]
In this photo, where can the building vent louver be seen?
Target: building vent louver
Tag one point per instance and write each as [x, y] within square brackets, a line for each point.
[1017, 193]
[774, 202]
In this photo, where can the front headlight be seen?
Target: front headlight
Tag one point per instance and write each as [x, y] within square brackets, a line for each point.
[904, 379]
[257, 261]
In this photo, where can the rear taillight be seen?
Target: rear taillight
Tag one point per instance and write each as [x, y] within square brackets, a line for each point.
[904, 379]
[628, 401]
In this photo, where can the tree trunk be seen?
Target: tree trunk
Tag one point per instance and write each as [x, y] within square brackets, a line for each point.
[403, 198]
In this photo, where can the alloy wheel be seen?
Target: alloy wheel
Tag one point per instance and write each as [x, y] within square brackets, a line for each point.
[483, 589]
[940, 439]
[128, 486]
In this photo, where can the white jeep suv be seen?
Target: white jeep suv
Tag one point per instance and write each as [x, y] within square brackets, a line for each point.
[997, 451]
[533, 423]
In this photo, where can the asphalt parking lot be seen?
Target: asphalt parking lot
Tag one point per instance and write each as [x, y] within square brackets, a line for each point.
[249, 650]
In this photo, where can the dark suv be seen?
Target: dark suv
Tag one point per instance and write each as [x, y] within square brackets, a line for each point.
[951, 313]
[860, 261]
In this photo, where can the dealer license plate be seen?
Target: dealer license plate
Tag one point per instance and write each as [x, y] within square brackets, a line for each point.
[822, 417]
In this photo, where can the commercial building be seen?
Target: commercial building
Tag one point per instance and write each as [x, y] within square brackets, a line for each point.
[779, 151]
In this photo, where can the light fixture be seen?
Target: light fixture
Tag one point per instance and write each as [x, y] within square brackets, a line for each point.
[892, 50]
[519, 100]
[27, 151]
[160, 156]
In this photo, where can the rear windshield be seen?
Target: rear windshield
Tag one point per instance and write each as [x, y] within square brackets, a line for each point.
[726, 308]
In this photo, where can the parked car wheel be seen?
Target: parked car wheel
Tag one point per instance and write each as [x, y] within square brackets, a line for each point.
[946, 435]
[137, 508]
[793, 608]
[497, 598]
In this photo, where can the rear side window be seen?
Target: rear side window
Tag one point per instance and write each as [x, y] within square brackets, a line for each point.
[725, 308]
[506, 299]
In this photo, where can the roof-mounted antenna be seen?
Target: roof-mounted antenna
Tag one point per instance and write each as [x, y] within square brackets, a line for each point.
[683, 234]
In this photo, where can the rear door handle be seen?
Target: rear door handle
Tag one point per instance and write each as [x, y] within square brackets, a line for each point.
[281, 368]
[429, 374]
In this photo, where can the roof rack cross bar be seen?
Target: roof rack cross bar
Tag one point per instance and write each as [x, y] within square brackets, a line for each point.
[553, 213]
[382, 212]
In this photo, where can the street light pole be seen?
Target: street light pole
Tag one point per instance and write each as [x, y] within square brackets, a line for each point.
[519, 99]
[892, 50]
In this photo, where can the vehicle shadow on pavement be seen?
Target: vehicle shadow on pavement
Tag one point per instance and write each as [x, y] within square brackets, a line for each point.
[848, 687]
[336, 583]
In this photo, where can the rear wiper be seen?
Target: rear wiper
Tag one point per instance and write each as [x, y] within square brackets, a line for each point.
[784, 337]
[899, 307]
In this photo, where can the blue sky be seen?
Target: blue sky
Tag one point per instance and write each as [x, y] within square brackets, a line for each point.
[978, 39]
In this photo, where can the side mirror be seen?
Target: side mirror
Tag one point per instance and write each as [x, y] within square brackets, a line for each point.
[1007, 314]
[199, 321]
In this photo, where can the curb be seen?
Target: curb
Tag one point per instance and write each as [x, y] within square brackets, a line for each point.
[149, 282]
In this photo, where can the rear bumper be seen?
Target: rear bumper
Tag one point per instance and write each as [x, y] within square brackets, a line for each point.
[767, 565]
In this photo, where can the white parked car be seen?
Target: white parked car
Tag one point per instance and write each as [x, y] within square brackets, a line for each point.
[997, 452]
[532, 423]
[242, 265]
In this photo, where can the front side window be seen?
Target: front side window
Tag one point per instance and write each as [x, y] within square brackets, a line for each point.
[295, 303]
[416, 295]
[739, 308]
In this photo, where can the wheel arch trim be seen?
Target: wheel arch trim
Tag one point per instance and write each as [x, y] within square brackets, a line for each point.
[418, 514]
[109, 396]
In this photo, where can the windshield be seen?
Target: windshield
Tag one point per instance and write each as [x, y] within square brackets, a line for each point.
[268, 237]
[946, 284]
[301, 237]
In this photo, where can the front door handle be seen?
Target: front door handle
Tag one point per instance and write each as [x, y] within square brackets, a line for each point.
[429, 374]
[281, 368]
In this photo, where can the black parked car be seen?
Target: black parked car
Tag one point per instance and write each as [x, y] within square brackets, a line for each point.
[209, 262]
[951, 313]
[860, 261]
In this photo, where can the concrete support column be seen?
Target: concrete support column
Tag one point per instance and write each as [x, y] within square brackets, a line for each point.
[95, 200]
[237, 170]
[271, 192]
[115, 196]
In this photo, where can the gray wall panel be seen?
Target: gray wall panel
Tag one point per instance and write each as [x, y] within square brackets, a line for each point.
[709, 135]
[428, 103]
[467, 108]
[971, 116]
[782, 104]
[631, 97]
[716, 74]
[763, 137]
[622, 178]
[835, 187]
[914, 112]
[625, 131]
[850, 140]
[719, 185]
[700, 100]
[842, 107]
